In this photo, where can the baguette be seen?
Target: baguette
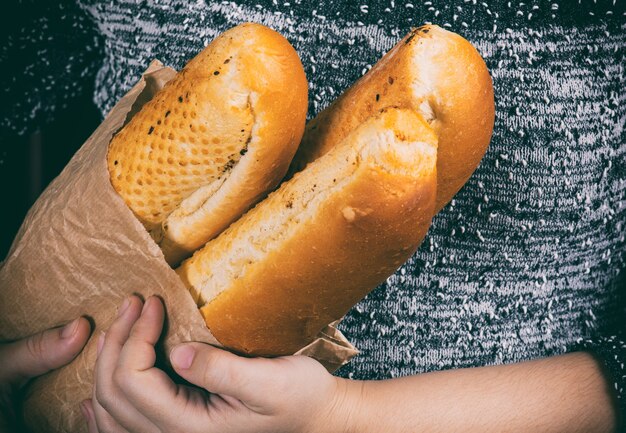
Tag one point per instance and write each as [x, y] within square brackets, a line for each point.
[434, 72]
[314, 247]
[214, 140]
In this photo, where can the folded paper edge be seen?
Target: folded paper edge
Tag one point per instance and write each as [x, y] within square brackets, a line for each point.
[331, 348]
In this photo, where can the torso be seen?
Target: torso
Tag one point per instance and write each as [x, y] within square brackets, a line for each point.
[525, 261]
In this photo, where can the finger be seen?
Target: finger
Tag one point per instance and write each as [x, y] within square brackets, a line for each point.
[147, 388]
[86, 407]
[103, 422]
[111, 406]
[135, 368]
[219, 371]
[110, 349]
[138, 353]
[42, 352]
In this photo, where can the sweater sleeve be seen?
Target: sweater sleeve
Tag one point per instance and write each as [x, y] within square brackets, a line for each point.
[611, 352]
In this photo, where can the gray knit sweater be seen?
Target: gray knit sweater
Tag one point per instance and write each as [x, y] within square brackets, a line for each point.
[529, 258]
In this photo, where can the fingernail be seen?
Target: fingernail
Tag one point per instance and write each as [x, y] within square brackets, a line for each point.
[182, 356]
[69, 329]
[100, 343]
[84, 410]
[123, 307]
[145, 305]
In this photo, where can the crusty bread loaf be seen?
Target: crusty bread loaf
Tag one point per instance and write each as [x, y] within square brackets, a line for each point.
[438, 74]
[314, 247]
[214, 140]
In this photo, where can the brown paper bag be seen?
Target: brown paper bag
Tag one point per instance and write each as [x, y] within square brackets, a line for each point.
[80, 251]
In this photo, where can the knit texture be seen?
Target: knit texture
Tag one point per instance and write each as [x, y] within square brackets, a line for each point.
[49, 54]
[528, 260]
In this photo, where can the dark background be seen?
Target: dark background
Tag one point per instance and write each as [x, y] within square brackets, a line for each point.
[29, 162]
[43, 119]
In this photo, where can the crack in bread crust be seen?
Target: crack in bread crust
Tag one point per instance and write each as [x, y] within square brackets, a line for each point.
[375, 193]
[214, 140]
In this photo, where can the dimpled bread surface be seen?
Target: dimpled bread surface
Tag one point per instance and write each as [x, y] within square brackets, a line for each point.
[178, 142]
[198, 127]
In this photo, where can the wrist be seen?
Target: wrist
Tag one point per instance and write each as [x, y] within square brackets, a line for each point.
[346, 408]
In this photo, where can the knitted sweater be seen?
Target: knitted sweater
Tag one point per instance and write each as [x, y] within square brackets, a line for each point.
[528, 259]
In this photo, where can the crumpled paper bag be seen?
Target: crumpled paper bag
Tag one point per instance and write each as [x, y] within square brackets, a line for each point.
[81, 251]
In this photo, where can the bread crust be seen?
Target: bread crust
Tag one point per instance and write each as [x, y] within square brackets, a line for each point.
[438, 74]
[333, 251]
[214, 140]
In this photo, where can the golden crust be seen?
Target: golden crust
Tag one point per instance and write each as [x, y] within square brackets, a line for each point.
[434, 72]
[366, 222]
[214, 140]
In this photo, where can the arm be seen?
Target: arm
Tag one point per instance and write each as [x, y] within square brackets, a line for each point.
[296, 394]
[565, 393]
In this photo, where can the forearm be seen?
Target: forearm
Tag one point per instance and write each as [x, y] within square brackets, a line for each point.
[565, 393]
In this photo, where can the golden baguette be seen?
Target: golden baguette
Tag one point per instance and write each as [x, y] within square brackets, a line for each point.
[214, 140]
[314, 247]
[434, 72]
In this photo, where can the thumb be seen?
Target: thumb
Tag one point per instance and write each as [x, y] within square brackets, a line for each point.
[221, 372]
[35, 355]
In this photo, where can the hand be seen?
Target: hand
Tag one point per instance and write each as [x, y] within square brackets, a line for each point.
[33, 356]
[287, 394]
